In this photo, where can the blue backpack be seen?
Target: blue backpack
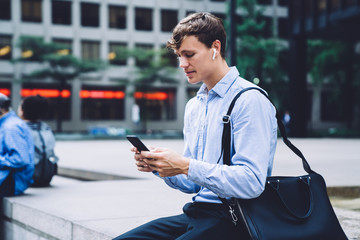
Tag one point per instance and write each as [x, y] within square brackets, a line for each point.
[45, 159]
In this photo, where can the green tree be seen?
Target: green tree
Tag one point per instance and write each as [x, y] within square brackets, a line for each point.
[153, 67]
[56, 63]
[334, 64]
[258, 51]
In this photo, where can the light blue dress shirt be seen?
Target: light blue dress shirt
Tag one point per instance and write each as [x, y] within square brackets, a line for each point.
[254, 137]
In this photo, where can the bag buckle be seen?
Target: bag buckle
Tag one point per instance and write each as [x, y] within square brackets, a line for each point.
[233, 215]
[226, 119]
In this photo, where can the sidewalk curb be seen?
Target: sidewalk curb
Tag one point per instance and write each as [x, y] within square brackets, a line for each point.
[86, 175]
[344, 191]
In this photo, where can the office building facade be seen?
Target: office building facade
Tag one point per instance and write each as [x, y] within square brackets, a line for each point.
[93, 29]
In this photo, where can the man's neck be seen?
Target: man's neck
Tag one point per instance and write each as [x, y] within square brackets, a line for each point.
[219, 73]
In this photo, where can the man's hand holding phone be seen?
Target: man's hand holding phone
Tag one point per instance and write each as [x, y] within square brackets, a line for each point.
[138, 147]
[163, 160]
[139, 161]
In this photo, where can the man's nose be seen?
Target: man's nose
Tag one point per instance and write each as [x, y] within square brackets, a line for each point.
[183, 63]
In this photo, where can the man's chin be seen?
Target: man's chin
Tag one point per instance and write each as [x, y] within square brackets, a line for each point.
[192, 80]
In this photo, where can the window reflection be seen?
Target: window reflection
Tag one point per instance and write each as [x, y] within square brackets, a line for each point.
[156, 104]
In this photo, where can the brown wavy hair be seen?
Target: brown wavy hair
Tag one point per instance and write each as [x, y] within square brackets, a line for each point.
[205, 26]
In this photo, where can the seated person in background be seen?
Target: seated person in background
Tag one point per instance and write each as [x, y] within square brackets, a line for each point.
[32, 109]
[16, 152]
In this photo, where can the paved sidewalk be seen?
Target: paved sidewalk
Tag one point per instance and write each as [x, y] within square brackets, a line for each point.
[74, 210]
[337, 160]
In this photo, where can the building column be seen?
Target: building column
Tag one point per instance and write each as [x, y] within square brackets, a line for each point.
[298, 93]
[104, 45]
[75, 19]
[75, 101]
[16, 53]
[46, 19]
[316, 107]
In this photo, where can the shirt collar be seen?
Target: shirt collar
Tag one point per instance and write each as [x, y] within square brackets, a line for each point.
[222, 86]
[7, 115]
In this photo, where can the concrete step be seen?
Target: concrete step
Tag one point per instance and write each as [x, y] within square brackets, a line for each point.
[73, 210]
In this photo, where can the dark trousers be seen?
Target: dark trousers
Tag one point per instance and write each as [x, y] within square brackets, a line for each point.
[200, 221]
[7, 187]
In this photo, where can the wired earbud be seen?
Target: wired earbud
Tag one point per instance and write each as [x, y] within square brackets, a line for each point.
[213, 57]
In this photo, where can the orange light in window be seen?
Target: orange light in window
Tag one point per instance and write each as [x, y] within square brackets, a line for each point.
[5, 50]
[48, 93]
[27, 54]
[102, 94]
[151, 96]
[5, 91]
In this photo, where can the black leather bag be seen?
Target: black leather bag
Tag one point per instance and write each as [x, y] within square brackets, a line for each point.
[289, 208]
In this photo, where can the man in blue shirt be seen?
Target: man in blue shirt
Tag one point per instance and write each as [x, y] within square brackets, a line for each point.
[199, 42]
[16, 152]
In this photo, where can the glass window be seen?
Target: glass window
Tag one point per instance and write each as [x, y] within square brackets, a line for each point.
[5, 47]
[296, 9]
[56, 98]
[283, 3]
[31, 11]
[264, 2]
[143, 19]
[222, 16]
[169, 20]
[156, 104]
[102, 102]
[308, 8]
[67, 46]
[116, 56]
[283, 30]
[321, 6]
[188, 12]
[5, 9]
[331, 106]
[117, 17]
[90, 50]
[268, 29]
[350, 3]
[144, 58]
[5, 88]
[239, 19]
[61, 12]
[89, 14]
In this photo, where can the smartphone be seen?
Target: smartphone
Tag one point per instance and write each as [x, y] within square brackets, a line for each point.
[136, 142]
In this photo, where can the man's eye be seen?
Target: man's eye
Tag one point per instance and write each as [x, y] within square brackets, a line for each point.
[190, 55]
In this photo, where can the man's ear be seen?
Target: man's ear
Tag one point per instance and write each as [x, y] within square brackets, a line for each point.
[217, 46]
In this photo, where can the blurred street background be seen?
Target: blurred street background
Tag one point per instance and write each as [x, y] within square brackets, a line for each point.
[105, 69]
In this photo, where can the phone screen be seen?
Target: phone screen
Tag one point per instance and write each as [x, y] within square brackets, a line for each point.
[136, 142]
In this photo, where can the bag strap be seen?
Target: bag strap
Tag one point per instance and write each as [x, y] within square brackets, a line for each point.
[43, 146]
[226, 136]
[226, 144]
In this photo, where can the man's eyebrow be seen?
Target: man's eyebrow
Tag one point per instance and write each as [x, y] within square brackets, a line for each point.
[184, 51]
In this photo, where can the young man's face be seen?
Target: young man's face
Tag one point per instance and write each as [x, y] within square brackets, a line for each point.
[196, 60]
